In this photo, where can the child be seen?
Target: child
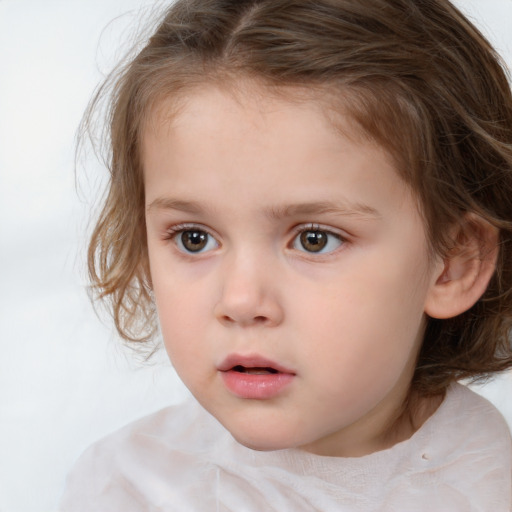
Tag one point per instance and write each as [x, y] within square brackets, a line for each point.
[315, 198]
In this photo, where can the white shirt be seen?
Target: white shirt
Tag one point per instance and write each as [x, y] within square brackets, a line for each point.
[182, 459]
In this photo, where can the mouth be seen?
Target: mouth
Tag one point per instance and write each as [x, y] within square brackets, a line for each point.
[255, 370]
[252, 365]
[254, 377]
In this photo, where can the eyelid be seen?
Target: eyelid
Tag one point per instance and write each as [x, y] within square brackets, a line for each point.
[298, 230]
[314, 226]
[188, 226]
[173, 231]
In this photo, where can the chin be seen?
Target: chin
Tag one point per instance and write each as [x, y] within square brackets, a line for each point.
[261, 445]
[259, 428]
[265, 436]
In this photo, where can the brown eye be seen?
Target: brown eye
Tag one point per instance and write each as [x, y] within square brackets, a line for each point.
[313, 241]
[195, 241]
[317, 241]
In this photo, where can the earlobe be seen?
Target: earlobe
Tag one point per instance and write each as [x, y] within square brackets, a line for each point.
[464, 273]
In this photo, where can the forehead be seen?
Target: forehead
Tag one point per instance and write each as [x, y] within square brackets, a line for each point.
[257, 107]
[293, 150]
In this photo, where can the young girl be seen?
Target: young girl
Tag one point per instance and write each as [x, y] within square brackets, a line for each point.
[315, 198]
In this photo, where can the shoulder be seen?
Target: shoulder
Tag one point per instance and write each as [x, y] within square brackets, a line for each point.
[475, 415]
[464, 453]
[179, 425]
[142, 463]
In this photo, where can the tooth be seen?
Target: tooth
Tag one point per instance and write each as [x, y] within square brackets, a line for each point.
[255, 370]
[260, 371]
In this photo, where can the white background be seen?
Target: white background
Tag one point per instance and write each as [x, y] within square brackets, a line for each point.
[65, 379]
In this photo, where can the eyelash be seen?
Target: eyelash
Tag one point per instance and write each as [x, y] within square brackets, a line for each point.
[173, 232]
[315, 228]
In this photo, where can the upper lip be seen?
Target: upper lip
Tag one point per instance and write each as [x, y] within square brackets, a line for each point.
[251, 361]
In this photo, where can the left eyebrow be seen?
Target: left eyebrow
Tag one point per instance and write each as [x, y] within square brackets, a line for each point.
[323, 207]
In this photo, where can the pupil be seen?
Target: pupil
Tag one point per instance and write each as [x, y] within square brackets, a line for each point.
[313, 241]
[194, 240]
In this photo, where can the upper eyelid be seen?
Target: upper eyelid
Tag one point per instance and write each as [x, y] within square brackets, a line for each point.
[320, 227]
[189, 226]
[296, 230]
[303, 228]
[172, 234]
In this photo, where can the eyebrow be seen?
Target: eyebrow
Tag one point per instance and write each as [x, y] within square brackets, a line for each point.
[341, 208]
[168, 203]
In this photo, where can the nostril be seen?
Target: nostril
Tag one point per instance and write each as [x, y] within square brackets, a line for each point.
[260, 319]
[264, 312]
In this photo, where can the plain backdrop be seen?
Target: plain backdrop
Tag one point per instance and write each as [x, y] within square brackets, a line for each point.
[65, 378]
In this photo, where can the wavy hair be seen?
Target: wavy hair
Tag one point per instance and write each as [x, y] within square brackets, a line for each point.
[415, 75]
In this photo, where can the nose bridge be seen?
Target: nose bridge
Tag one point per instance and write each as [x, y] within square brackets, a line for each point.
[249, 289]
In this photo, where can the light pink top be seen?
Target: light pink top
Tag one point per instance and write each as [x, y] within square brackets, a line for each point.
[182, 459]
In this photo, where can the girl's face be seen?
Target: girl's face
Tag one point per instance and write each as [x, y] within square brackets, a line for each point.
[290, 270]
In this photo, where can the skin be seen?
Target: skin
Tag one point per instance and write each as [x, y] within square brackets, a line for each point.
[250, 174]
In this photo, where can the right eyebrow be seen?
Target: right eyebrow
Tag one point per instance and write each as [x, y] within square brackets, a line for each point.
[167, 203]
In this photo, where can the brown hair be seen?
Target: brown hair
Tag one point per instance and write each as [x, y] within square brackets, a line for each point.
[416, 76]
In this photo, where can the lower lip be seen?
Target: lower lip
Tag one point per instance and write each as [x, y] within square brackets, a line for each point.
[256, 387]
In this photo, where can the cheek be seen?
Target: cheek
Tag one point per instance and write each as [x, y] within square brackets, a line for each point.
[179, 291]
[181, 316]
[370, 293]
[181, 311]
[367, 322]
[182, 305]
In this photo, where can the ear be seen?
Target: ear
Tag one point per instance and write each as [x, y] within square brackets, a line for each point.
[464, 273]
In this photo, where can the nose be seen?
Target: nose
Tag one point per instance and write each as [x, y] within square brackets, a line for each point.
[249, 294]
